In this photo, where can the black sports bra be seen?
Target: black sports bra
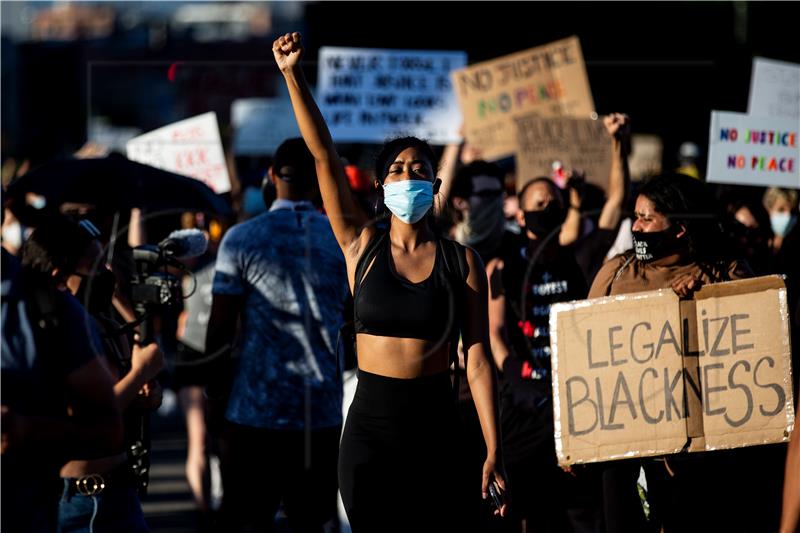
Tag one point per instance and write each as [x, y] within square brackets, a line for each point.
[388, 305]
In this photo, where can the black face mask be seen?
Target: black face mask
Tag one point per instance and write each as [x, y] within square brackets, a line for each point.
[542, 223]
[652, 245]
[99, 289]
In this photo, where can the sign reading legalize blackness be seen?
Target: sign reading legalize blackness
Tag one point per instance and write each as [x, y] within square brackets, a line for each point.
[370, 95]
[191, 147]
[748, 150]
[648, 374]
[260, 125]
[579, 143]
[775, 89]
[549, 80]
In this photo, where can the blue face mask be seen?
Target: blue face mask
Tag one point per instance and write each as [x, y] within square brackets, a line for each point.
[408, 200]
[781, 222]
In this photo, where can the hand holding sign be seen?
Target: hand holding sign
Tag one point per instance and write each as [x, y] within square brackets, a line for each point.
[685, 285]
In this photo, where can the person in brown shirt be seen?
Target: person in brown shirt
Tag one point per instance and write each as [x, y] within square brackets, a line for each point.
[678, 243]
[624, 274]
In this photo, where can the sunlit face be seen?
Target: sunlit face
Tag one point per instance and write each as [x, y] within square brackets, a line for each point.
[745, 218]
[647, 218]
[410, 164]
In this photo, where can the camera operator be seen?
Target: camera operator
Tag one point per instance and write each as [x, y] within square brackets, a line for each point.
[101, 492]
[57, 395]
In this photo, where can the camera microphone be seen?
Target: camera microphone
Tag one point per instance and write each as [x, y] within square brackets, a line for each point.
[184, 243]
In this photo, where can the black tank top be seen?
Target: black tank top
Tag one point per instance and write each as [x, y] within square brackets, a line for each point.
[388, 305]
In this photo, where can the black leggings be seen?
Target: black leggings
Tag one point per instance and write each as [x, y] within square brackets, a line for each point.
[262, 468]
[396, 459]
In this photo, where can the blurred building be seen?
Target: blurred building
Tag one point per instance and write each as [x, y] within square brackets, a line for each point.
[105, 71]
[76, 70]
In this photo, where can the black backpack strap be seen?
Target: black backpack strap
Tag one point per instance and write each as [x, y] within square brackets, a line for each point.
[455, 260]
[366, 257]
[456, 271]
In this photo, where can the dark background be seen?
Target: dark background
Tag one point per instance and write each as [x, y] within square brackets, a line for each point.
[667, 64]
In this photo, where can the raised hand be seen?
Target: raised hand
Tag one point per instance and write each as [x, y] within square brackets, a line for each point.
[288, 50]
[618, 125]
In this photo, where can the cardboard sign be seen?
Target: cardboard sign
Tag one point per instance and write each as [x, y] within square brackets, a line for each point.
[648, 374]
[261, 125]
[579, 143]
[549, 80]
[775, 89]
[191, 147]
[370, 95]
[748, 150]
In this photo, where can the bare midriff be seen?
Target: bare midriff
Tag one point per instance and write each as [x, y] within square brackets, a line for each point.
[402, 358]
[80, 468]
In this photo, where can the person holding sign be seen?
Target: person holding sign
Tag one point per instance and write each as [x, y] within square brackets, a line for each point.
[679, 244]
[676, 243]
[413, 294]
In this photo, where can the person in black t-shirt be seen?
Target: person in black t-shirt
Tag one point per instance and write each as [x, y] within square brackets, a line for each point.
[523, 286]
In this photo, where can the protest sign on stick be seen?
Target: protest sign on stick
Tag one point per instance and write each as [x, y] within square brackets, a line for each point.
[548, 80]
[581, 144]
[775, 89]
[370, 95]
[191, 147]
[261, 125]
[748, 150]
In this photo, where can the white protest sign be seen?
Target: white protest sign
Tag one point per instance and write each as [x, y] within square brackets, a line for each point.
[191, 147]
[369, 95]
[262, 124]
[775, 89]
[748, 150]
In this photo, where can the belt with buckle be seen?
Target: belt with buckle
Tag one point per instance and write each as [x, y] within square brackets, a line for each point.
[95, 484]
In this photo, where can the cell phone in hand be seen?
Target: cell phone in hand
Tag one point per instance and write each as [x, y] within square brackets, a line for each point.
[494, 494]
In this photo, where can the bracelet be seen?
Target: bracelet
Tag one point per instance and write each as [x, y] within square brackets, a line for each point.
[578, 209]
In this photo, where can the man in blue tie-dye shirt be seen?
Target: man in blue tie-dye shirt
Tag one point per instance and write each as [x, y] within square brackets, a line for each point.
[282, 273]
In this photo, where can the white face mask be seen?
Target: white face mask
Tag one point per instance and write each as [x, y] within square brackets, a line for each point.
[781, 223]
[12, 235]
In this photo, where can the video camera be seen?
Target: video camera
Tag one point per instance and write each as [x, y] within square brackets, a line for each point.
[152, 285]
[153, 288]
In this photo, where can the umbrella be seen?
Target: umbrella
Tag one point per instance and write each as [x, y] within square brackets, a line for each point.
[114, 183]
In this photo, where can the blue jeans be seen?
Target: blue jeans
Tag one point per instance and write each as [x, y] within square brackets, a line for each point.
[116, 509]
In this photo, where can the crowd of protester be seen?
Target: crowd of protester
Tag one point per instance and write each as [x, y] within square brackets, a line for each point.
[259, 349]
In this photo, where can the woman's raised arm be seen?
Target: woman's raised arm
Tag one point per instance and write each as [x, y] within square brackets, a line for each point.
[346, 218]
